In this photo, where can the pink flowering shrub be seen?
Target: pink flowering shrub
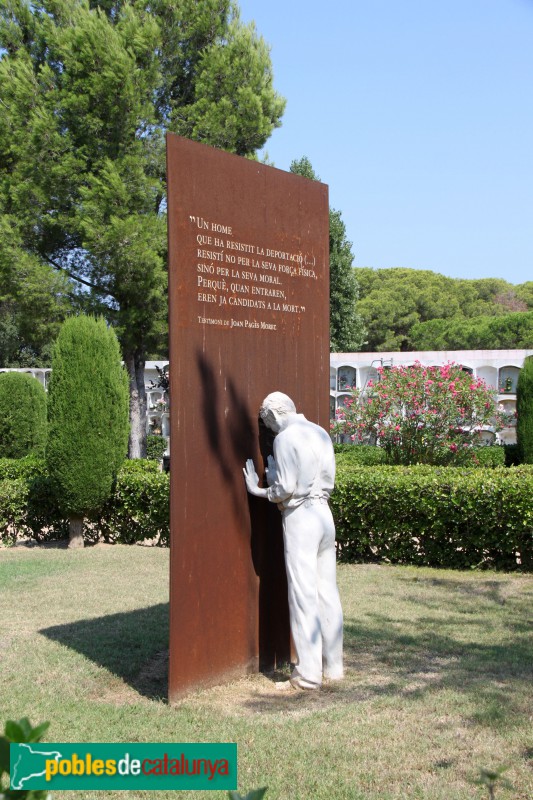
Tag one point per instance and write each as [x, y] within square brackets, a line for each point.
[421, 415]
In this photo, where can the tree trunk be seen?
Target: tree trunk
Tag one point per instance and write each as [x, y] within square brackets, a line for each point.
[75, 532]
[135, 363]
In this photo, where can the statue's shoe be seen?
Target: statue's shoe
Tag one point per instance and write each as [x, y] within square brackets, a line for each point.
[301, 683]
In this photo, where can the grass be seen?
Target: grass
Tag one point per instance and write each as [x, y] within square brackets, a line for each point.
[439, 678]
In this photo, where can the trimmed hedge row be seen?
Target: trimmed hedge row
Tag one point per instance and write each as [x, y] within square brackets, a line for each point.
[137, 510]
[370, 455]
[27, 468]
[364, 454]
[432, 516]
[435, 516]
[489, 456]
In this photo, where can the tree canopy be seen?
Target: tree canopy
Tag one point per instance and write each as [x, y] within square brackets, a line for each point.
[505, 332]
[347, 331]
[33, 302]
[398, 304]
[89, 88]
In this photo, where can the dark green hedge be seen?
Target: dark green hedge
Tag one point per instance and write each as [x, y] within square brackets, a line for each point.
[435, 516]
[371, 456]
[137, 510]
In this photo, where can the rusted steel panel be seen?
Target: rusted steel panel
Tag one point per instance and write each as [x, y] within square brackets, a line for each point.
[249, 314]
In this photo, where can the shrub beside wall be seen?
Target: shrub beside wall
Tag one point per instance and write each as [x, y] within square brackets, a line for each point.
[139, 508]
[155, 447]
[23, 425]
[435, 516]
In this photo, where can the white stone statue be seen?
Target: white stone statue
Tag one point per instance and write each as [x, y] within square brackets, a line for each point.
[300, 480]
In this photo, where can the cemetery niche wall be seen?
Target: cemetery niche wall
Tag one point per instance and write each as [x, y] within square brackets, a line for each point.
[249, 314]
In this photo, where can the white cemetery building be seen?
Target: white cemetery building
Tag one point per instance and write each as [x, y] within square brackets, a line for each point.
[498, 368]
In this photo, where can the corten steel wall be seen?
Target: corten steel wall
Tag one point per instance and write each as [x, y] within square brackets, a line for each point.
[249, 314]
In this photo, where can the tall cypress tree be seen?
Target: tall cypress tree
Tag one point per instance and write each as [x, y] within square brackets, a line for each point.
[88, 418]
[524, 410]
[346, 328]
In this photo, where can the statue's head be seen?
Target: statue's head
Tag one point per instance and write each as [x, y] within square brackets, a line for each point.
[274, 408]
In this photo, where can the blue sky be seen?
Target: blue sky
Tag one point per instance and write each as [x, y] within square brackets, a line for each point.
[419, 116]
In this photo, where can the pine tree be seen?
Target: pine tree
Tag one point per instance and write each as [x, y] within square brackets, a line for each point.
[524, 411]
[88, 91]
[346, 329]
[23, 423]
[88, 418]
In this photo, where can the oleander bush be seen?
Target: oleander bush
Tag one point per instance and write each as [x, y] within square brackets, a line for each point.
[421, 415]
[435, 516]
[23, 426]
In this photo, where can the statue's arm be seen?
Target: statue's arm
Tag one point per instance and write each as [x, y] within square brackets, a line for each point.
[285, 475]
[252, 480]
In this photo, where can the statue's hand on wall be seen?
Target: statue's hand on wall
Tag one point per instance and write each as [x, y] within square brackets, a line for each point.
[252, 479]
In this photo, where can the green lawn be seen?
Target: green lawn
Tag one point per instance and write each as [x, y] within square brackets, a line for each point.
[439, 678]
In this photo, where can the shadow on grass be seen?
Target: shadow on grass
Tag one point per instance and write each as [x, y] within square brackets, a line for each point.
[132, 645]
[490, 680]
[493, 676]
[489, 590]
